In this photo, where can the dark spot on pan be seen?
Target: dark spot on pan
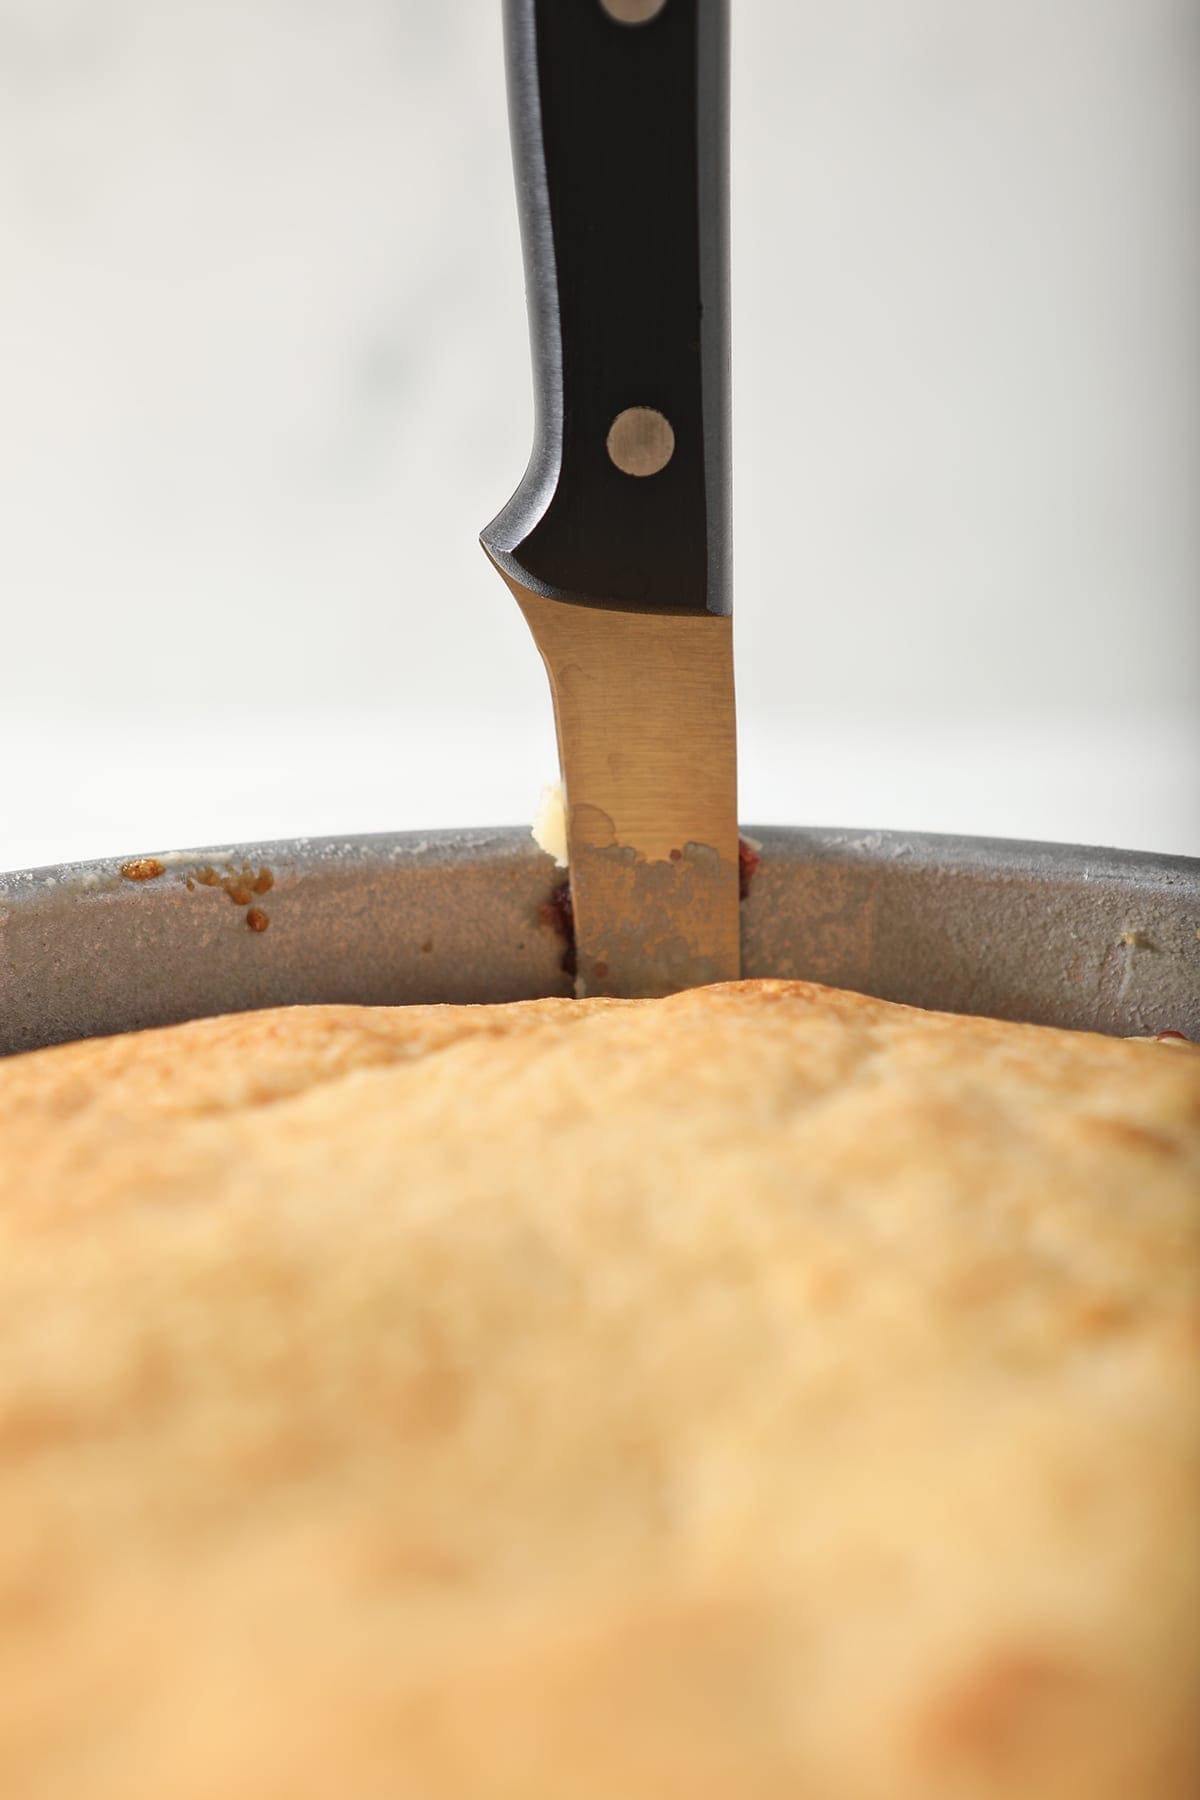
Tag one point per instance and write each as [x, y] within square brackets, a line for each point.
[558, 914]
[257, 919]
[749, 860]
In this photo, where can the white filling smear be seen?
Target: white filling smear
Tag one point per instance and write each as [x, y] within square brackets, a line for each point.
[550, 823]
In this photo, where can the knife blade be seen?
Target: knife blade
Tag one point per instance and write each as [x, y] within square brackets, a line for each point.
[616, 544]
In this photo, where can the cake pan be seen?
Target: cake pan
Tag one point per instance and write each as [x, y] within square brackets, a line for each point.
[1104, 940]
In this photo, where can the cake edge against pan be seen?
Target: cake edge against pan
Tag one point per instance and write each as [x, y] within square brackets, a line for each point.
[1089, 938]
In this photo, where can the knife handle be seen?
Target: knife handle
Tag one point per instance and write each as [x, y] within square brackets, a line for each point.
[619, 115]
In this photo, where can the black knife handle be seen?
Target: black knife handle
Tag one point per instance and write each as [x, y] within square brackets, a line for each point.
[620, 146]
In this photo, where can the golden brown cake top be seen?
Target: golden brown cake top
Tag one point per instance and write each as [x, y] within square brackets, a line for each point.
[762, 1392]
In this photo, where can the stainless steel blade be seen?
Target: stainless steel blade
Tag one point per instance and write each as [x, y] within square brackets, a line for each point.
[644, 709]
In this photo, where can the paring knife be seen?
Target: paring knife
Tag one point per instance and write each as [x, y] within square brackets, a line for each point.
[616, 545]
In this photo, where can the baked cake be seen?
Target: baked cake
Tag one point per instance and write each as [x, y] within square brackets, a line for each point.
[762, 1392]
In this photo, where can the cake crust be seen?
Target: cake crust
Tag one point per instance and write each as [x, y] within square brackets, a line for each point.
[766, 1391]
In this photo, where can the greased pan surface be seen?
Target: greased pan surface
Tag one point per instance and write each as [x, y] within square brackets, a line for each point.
[1066, 935]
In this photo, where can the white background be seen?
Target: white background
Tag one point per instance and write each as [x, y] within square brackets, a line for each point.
[263, 376]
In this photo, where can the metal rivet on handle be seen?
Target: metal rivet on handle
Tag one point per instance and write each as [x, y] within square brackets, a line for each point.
[632, 12]
[640, 441]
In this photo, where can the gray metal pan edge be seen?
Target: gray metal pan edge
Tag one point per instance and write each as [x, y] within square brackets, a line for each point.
[1104, 940]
